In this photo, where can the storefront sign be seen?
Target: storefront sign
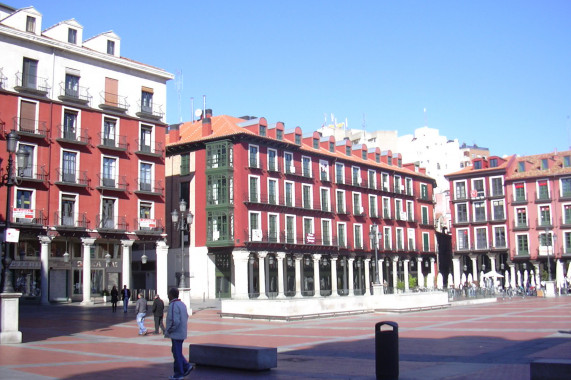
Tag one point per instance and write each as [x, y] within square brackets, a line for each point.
[147, 223]
[12, 235]
[24, 264]
[23, 213]
[59, 265]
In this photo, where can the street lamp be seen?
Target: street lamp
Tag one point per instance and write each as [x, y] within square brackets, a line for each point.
[182, 220]
[374, 235]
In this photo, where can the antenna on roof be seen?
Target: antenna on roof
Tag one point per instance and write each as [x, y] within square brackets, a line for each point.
[179, 85]
[192, 108]
[204, 104]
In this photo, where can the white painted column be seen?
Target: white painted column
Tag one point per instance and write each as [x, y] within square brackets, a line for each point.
[537, 274]
[493, 264]
[420, 275]
[456, 271]
[368, 284]
[334, 276]
[240, 259]
[405, 267]
[559, 274]
[298, 259]
[87, 243]
[316, 282]
[162, 250]
[126, 270]
[512, 276]
[262, 274]
[280, 256]
[475, 274]
[395, 261]
[44, 262]
[351, 277]
[380, 268]
[432, 274]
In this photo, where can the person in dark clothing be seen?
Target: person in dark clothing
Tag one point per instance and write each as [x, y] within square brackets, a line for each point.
[158, 311]
[114, 298]
[126, 294]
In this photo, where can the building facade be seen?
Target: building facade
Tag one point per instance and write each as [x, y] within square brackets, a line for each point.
[513, 216]
[89, 193]
[278, 214]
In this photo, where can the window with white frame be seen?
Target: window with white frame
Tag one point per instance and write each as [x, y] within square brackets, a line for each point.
[384, 182]
[27, 168]
[398, 184]
[146, 215]
[356, 176]
[308, 231]
[272, 191]
[408, 186]
[110, 132]
[399, 238]
[498, 209]
[69, 166]
[323, 170]
[398, 210]
[373, 209]
[425, 217]
[326, 231]
[272, 160]
[426, 242]
[254, 156]
[68, 210]
[325, 199]
[478, 188]
[273, 228]
[460, 190]
[357, 205]
[497, 186]
[479, 211]
[481, 238]
[255, 225]
[340, 201]
[70, 124]
[288, 163]
[462, 239]
[358, 236]
[410, 234]
[110, 170]
[520, 216]
[386, 207]
[146, 139]
[342, 234]
[146, 176]
[108, 213]
[254, 188]
[522, 247]
[339, 173]
[410, 211]
[289, 190]
[290, 229]
[387, 238]
[372, 179]
[499, 237]
[307, 196]
[306, 166]
[565, 186]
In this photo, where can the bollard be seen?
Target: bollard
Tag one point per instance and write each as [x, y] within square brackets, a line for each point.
[387, 350]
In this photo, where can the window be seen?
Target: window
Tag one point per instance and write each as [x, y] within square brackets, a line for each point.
[398, 209]
[217, 189]
[519, 191]
[146, 138]
[107, 213]
[272, 160]
[423, 191]
[358, 236]
[387, 238]
[254, 156]
[521, 217]
[184, 163]
[373, 211]
[479, 211]
[566, 187]
[70, 125]
[566, 161]
[377, 157]
[272, 191]
[325, 199]
[72, 86]
[348, 151]
[109, 132]
[315, 143]
[481, 238]
[145, 215]
[263, 130]
[290, 229]
[28, 169]
[307, 198]
[340, 195]
[326, 231]
[500, 237]
[371, 175]
[498, 209]
[357, 207]
[30, 73]
[306, 166]
[356, 176]
[522, 245]
[426, 242]
[543, 190]
[521, 166]
[110, 47]
[30, 24]
[493, 162]
[273, 228]
[411, 239]
[147, 102]
[254, 189]
[545, 216]
[109, 171]
[567, 214]
[112, 92]
[288, 160]
[385, 181]
[478, 188]
[410, 211]
[544, 164]
[425, 219]
[219, 155]
[408, 186]
[497, 187]
[462, 239]
[567, 242]
[255, 226]
[341, 235]
[28, 116]
[308, 233]
[324, 170]
[72, 36]
[461, 213]
[332, 147]
[24, 200]
[386, 207]
[545, 240]
[145, 177]
[298, 139]
[397, 184]
[67, 210]
[460, 190]
[339, 173]
[279, 134]
[69, 166]
[477, 164]
[289, 194]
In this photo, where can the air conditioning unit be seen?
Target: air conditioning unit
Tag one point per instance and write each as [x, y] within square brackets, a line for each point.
[257, 235]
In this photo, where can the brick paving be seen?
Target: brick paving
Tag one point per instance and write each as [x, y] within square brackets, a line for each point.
[485, 341]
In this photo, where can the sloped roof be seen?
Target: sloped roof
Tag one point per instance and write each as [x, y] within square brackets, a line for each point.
[470, 170]
[533, 169]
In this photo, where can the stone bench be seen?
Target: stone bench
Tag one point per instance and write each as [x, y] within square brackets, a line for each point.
[241, 357]
[550, 369]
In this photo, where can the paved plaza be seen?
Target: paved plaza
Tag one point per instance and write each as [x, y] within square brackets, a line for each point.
[486, 341]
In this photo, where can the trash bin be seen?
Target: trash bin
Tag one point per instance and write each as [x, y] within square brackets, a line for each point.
[387, 350]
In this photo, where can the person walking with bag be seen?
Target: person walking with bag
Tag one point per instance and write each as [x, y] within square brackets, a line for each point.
[177, 319]
[114, 298]
[158, 311]
[141, 310]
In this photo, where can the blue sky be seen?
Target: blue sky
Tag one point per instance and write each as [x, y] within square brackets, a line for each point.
[494, 73]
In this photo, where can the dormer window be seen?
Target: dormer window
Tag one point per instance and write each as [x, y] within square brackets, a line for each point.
[30, 24]
[315, 144]
[566, 161]
[363, 155]
[544, 164]
[390, 160]
[110, 47]
[399, 162]
[331, 147]
[493, 162]
[377, 157]
[521, 166]
[279, 134]
[263, 130]
[348, 150]
[298, 139]
[478, 165]
[72, 36]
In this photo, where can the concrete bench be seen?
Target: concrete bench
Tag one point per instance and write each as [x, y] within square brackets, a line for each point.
[550, 369]
[241, 357]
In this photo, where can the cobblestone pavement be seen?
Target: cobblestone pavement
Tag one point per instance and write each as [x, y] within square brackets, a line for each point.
[486, 341]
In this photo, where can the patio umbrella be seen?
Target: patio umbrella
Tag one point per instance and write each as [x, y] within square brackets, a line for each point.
[439, 281]
[463, 279]
[450, 280]
[525, 277]
[470, 278]
[492, 274]
[507, 279]
[518, 278]
[532, 278]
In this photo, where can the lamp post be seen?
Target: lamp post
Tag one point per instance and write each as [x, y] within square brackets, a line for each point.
[9, 180]
[182, 220]
[374, 235]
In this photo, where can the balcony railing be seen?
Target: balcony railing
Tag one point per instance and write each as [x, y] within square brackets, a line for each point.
[33, 83]
[519, 199]
[72, 136]
[274, 166]
[70, 221]
[520, 225]
[30, 127]
[105, 222]
[542, 197]
[113, 101]
[114, 182]
[146, 225]
[80, 95]
[73, 177]
[274, 237]
[32, 217]
[112, 142]
[543, 223]
[151, 187]
[152, 149]
[32, 173]
[153, 111]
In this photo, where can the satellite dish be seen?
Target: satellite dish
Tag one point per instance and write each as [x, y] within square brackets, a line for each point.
[198, 113]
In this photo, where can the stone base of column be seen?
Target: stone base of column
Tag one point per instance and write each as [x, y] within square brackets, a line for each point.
[10, 318]
[378, 289]
[87, 303]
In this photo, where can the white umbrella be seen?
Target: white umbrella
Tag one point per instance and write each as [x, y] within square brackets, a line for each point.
[450, 280]
[518, 278]
[492, 274]
[507, 279]
[463, 279]
[525, 277]
[439, 281]
[470, 279]
[532, 279]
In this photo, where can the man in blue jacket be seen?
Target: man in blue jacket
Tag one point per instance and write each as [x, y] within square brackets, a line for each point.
[177, 320]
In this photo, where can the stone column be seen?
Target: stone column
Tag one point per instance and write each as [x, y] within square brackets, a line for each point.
[126, 275]
[368, 284]
[10, 318]
[420, 275]
[475, 275]
[493, 268]
[395, 261]
[334, 276]
[262, 275]
[44, 261]
[280, 256]
[537, 274]
[316, 279]
[456, 269]
[87, 243]
[432, 274]
[512, 276]
[240, 259]
[351, 276]
[380, 267]
[298, 257]
[405, 267]
[162, 250]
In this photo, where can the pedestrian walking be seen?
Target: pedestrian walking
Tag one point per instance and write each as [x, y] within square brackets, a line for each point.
[158, 311]
[177, 319]
[125, 294]
[114, 298]
[141, 310]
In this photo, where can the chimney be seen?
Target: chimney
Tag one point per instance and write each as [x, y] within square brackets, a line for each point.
[206, 125]
[174, 133]
[208, 113]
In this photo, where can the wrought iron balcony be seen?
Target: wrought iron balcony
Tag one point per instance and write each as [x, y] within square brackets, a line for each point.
[34, 173]
[72, 177]
[150, 187]
[31, 84]
[72, 136]
[30, 127]
[113, 102]
[153, 148]
[71, 221]
[112, 182]
[112, 142]
[150, 111]
[78, 95]
[108, 222]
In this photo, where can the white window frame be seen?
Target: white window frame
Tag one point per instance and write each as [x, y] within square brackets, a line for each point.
[360, 210]
[292, 192]
[401, 230]
[373, 211]
[342, 179]
[77, 163]
[473, 188]
[115, 208]
[294, 230]
[277, 216]
[356, 170]
[385, 182]
[36, 116]
[342, 192]
[77, 121]
[388, 240]
[359, 234]
[324, 168]
[152, 173]
[494, 242]
[458, 240]
[456, 220]
[388, 204]
[258, 190]
[344, 226]
[372, 185]
[477, 247]
[303, 186]
[303, 219]
[328, 190]
[75, 206]
[256, 157]
[454, 187]
[276, 187]
[323, 236]
[117, 133]
[303, 159]
[268, 161]
[291, 168]
[411, 235]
